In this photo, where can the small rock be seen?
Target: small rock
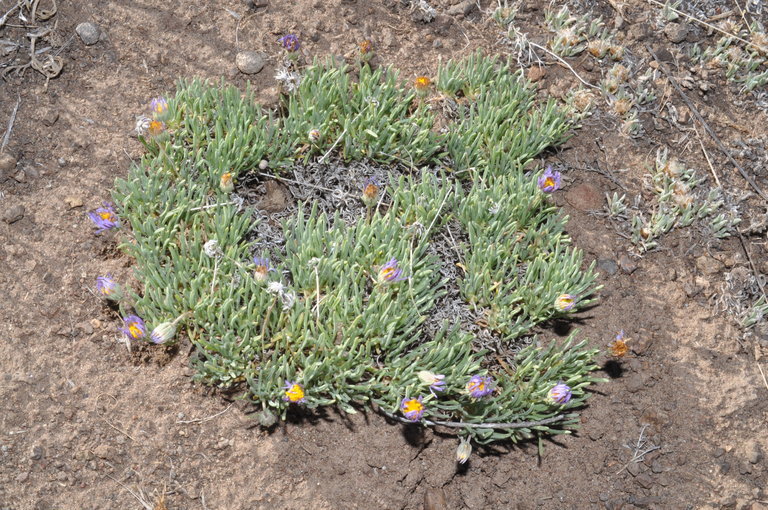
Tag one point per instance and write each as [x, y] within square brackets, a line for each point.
[635, 383]
[13, 214]
[73, 201]
[20, 176]
[676, 32]
[31, 172]
[718, 453]
[50, 118]
[7, 166]
[607, 266]
[22, 477]
[87, 328]
[464, 8]
[434, 499]
[626, 263]
[708, 265]
[61, 162]
[753, 452]
[642, 343]
[37, 453]
[745, 468]
[250, 62]
[89, 33]
[657, 467]
[437, 44]
[645, 480]
[535, 73]
[585, 197]
[633, 468]
[103, 451]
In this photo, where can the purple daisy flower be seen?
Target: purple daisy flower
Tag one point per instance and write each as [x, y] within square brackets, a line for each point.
[290, 42]
[158, 105]
[412, 408]
[390, 272]
[560, 394]
[480, 386]
[105, 218]
[549, 181]
[134, 328]
[109, 288]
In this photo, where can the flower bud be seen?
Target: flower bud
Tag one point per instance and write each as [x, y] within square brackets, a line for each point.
[463, 451]
[163, 332]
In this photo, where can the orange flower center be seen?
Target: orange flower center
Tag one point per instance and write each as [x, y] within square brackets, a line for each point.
[155, 127]
[371, 190]
[422, 82]
[549, 182]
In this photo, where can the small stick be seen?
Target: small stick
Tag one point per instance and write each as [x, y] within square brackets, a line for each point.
[704, 124]
[711, 168]
[10, 124]
[762, 373]
[202, 420]
[461, 424]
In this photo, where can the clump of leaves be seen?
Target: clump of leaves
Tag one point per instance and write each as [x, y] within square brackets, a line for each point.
[337, 316]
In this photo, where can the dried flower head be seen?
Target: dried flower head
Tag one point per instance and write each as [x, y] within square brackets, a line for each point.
[263, 267]
[421, 84]
[133, 327]
[290, 42]
[109, 288]
[565, 302]
[434, 381]
[480, 386]
[390, 272]
[105, 218]
[366, 47]
[560, 394]
[294, 392]
[550, 181]
[463, 451]
[142, 125]
[227, 182]
[370, 192]
[622, 105]
[597, 48]
[211, 248]
[412, 408]
[159, 106]
[313, 135]
[619, 347]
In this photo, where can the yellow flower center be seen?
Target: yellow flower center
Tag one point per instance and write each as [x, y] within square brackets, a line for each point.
[479, 386]
[294, 393]
[135, 331]
[106, 215]
[412, 406]
[549, 182]
[226, 178]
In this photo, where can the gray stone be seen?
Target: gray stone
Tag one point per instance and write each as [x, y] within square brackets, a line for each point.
[13, 214]
[88, 32]
[250, 62]
[607, 266]
[626, 264]
[676, 32]
[7, 166]
[37, 453]
[753, 452]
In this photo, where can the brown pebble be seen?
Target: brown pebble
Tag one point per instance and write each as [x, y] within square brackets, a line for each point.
[535, 73]
[73, 201]
[626, 263]
[434, 499]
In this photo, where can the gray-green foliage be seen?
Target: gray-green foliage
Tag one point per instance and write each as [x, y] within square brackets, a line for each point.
[324, 318]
